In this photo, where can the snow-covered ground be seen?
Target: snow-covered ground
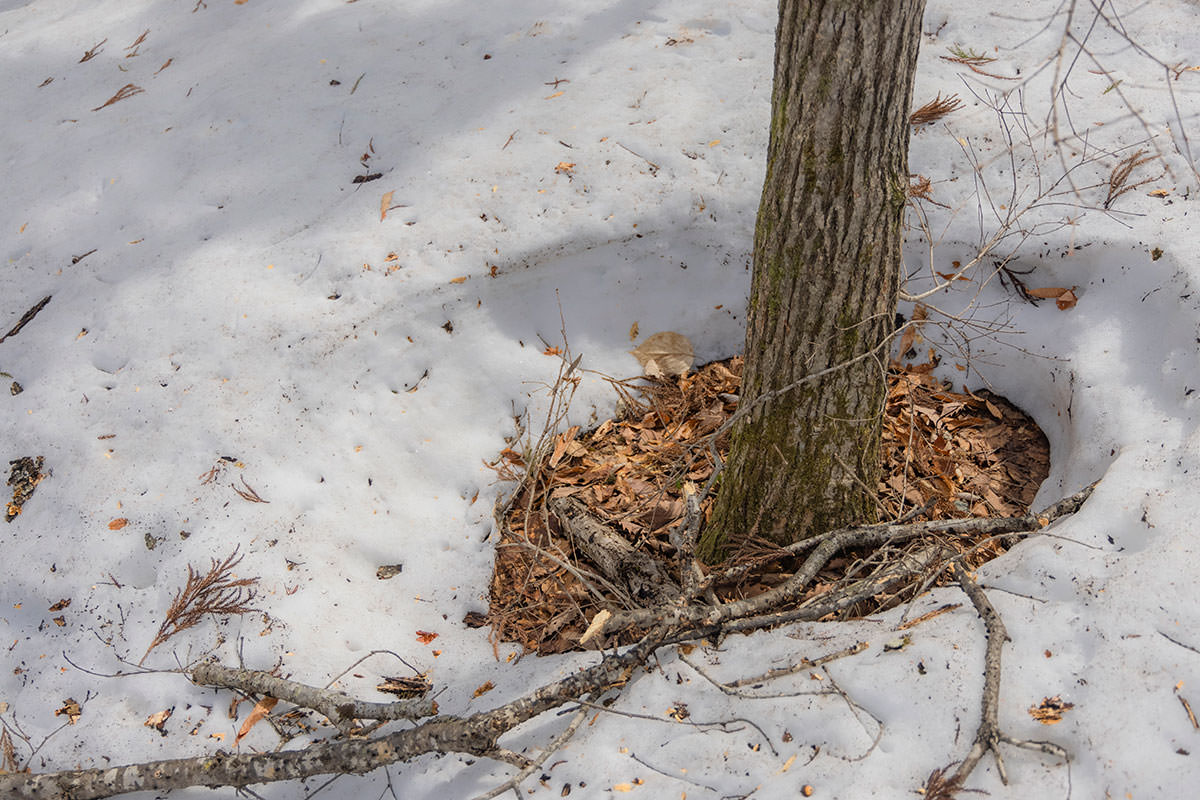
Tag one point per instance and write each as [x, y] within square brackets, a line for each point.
[245, 305]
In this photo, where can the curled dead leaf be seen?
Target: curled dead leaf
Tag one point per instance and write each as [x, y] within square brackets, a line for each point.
[1050, 710]
[159, 719]
[665, 354]
[260, 710]
[1063, 298]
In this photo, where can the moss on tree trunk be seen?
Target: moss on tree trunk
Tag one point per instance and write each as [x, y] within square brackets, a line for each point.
[826, 271]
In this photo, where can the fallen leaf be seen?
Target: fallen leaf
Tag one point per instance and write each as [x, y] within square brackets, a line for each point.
[117, 524]
[561, 445]
[484, 688]
[1050, 710]
[665, 354]
[633, 332]
[1046, 293]
[385, 204]
[564, 167]
[1064, 298]
[459, 279]
[260, 710]
[425, 637]
[70, 709]
[159, 719]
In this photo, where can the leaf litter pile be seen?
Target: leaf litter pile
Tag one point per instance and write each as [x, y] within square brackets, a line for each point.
[969, 454]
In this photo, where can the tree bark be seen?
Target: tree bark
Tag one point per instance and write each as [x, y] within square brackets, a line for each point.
[805, 457]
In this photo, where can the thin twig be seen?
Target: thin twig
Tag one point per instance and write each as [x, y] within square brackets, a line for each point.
[533, 766]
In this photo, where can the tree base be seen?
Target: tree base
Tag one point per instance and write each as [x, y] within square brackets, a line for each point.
[948, 454]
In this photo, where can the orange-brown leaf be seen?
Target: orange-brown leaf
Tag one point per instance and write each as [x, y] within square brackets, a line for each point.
[1048, 292]
[260, 710]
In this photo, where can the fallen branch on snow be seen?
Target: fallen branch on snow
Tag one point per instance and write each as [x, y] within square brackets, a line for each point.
[479, 733]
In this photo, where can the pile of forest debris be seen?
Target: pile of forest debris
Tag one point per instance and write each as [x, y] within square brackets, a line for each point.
[946, 455]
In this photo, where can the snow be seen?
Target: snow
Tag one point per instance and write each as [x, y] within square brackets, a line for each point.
[240, 302]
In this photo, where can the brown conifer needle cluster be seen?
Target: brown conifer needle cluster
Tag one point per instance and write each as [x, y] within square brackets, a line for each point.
[934, 110]
[214, 592]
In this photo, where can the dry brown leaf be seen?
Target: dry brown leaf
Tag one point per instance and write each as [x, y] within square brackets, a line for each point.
[484, 688]
[70, 709]
[118, 523]
[562, 444]
[1047, 293]
[425, 637]
[260, 710]
[157, 721]
[912, 330]
[385, 204]
[1050, 710]
[665, 354]
[1064, 298]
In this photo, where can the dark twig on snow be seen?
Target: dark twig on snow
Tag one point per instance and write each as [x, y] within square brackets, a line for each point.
[988, 736]
[479, 733]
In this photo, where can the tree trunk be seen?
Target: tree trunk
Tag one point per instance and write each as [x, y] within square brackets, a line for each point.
[826, 269]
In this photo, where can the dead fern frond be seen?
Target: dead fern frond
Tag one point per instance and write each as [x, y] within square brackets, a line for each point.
[935, 109]
[214, 592]
[1118, 179]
